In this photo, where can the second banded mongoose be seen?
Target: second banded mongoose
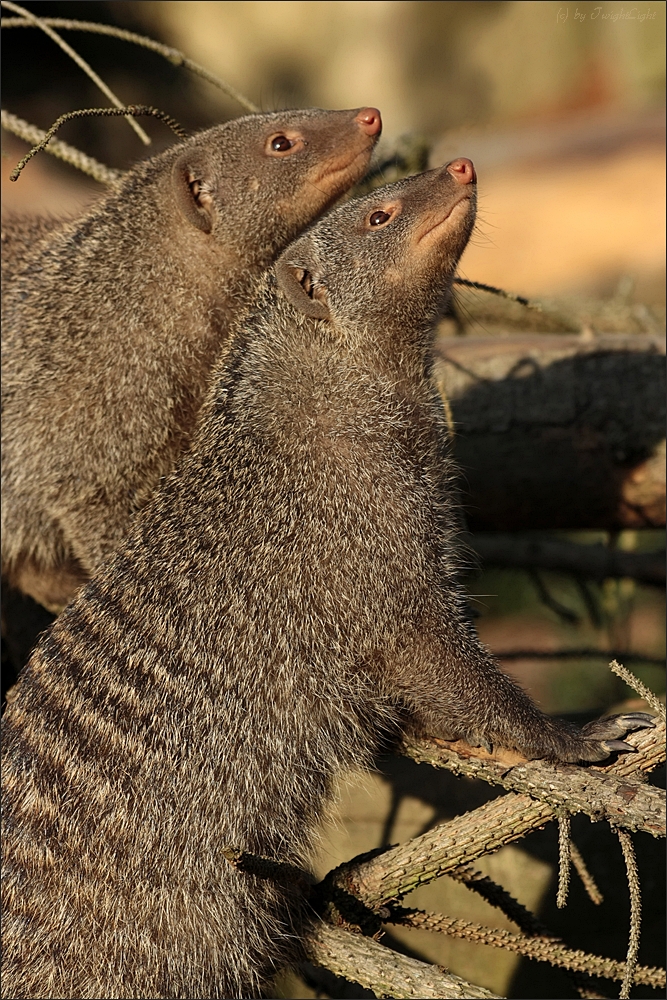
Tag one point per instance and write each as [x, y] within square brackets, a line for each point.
[287, 599]
[111, 322]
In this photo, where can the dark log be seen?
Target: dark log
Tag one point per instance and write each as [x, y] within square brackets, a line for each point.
[557, 431]
[591, 562]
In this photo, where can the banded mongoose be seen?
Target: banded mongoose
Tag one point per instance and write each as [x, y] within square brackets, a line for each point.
[111, 322]
[287, 599]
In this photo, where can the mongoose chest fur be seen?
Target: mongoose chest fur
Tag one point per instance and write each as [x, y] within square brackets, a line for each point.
[287, 598]
[111, 322]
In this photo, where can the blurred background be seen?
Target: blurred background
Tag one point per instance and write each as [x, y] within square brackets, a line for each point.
[561, 107]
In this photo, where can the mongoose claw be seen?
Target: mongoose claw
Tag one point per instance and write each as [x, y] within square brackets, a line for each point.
[602, 737]
[612, 745]
[612, 727]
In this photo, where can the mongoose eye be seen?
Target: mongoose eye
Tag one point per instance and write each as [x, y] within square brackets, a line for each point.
[379, 218]
[281, 144]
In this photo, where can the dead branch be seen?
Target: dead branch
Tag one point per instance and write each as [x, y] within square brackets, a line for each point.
[587, 879]
[526, 921]
[630, 859]
[399, 870]
[552, 789]
[564, 860]
[631, 804]
[592, 562]
[499, 897]
[69, 154]
[492, 290]
[362, 960]
[639, 687]
[81, 63]
[557, 431]
[172, 55]
[543, 949]
[131, 109]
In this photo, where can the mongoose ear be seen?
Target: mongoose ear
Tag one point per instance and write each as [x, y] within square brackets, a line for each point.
[300, 288]
[193, 190]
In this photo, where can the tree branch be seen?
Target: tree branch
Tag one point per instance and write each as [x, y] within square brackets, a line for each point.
[565, 787]
[542, 949]
[166, 51]
[362, 960]
[80, 62]
[397, 871]
[630, 804]
[69, 154]
[593, 562]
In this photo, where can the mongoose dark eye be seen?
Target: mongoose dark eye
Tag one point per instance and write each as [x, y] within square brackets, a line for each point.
[281, 144]
[378, 218]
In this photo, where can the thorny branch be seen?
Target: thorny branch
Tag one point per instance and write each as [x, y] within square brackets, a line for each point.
[595, 791]
[378, 881]
[131, 109]
[587, 879]
[635, 913]
[62, 150]
[544, 949]
[639, 687]
[564, 860]
[362, 960]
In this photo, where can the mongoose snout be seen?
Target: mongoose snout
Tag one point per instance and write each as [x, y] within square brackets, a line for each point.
[369, 121]
[462, 170]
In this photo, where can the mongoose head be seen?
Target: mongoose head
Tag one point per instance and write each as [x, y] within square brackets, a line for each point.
[386, 260]
[269, 175]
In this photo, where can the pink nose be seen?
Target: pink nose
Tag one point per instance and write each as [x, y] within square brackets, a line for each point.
[369, 121]
[462, 170]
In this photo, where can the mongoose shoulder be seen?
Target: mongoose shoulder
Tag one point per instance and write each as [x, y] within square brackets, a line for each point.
[287, 598]
[111, 322]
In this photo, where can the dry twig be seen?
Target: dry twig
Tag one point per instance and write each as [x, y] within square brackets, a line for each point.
[640, 688]
[587, 879]
[362, 960]
[81, 63]
[563, 860]
[172, 55]
[543, 949]
[594, 791]
[630, 859]
[480, 286]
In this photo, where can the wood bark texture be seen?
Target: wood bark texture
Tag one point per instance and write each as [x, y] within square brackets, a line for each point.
[362, 960]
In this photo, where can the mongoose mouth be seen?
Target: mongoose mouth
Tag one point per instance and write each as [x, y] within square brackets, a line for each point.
[333, 174]
[459, 209]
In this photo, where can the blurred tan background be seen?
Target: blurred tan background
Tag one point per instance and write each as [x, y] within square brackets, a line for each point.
[561, 107]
